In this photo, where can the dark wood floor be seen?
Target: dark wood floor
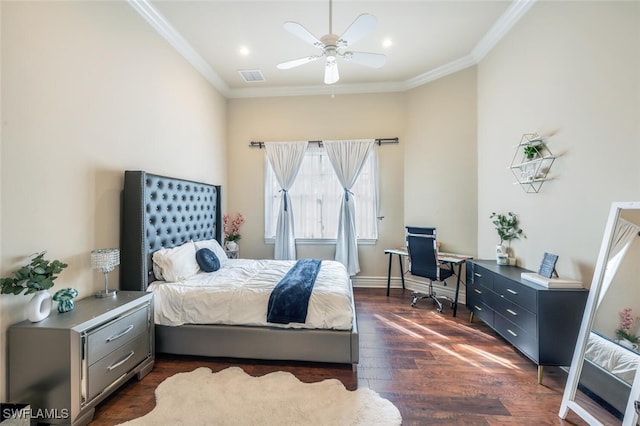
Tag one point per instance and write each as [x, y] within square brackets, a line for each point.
[435, 368]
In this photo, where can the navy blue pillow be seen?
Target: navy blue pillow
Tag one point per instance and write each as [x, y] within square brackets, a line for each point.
[207, 260]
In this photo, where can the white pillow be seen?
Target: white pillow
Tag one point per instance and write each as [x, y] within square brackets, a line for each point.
[176, 264]
[215, 247]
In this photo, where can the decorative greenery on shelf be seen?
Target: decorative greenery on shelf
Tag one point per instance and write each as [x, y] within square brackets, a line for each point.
[532, 151]
[37, 275]
[507, 226]
[626, 325]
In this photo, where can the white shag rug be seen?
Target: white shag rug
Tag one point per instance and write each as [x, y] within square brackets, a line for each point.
[232, 397]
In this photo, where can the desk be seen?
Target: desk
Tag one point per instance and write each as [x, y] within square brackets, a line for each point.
[450, 258]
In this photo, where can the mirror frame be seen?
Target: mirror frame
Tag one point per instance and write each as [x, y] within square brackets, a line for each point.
[569, 397]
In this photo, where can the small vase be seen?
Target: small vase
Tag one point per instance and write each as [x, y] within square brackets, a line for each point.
[232, 246]
[39, 307]
[502, 257]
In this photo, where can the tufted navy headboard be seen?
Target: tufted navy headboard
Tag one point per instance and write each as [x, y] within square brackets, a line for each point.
[162, 212]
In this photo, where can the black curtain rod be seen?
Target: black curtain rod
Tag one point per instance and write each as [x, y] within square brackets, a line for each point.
[380, 141]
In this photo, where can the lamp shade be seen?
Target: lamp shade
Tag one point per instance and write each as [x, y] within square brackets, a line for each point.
[105, 259]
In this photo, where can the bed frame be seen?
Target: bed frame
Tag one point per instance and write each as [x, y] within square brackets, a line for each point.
[607, 389]
[164, 212]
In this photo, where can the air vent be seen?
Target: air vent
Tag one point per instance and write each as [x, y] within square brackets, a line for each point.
[252, 76]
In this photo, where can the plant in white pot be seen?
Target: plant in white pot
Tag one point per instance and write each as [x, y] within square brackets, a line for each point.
[508, 229]
[231, 228]
[35, 277]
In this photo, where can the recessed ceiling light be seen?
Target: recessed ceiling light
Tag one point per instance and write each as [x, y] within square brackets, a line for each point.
[387, 42]
[244, 50]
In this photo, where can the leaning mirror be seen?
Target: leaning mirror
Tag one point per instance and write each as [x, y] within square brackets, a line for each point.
[604, 364]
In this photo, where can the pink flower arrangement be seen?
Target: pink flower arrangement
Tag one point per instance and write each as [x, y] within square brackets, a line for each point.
[232, 227]
[626, 325]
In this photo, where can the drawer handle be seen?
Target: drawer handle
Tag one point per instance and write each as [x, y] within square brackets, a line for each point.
[514, 313]
[119, 363]
[477, 275]
[119, 335]
[478, 308]
[477, 291]
[512, 333]
[512, 291]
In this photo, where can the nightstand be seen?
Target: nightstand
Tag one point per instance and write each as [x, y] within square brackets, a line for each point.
[64, 365]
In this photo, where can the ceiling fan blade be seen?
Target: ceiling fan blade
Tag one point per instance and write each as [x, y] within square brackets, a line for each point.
[297, 62]
[302, 33]
[373, 60]
[362, 25]
[331, 73]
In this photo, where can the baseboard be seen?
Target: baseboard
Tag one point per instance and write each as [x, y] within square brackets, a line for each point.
[414, 284]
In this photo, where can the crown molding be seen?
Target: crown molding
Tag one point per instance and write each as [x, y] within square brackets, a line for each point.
[507, 20]
[175, 39]
[341, 89]
[516, 10]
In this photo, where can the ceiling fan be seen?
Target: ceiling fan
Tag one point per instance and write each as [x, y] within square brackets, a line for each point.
[334, 46]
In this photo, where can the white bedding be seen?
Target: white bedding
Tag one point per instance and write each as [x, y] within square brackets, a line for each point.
[612, 357]
[238, 294]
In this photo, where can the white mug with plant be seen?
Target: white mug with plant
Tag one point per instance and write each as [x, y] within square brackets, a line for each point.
[508, 229]
[35, 277]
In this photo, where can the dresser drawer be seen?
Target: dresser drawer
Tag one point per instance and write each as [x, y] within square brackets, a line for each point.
[111, 367]
[478, 293]
[516, 293]
[114, 334]
[525, 342]
[482, 311]
[482, 277]
[516, 314]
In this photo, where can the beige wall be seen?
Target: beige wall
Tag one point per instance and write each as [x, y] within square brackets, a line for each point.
[569, 70]
[89, 90]
[315, 118]
[435, 160]
[440, 160]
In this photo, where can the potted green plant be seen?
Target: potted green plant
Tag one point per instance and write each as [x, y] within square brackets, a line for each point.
[532, 151]
[35, 277]
[508, 229]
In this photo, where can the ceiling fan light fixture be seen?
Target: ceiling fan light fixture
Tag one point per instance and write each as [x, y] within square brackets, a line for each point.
[332, 45]
[331, 53]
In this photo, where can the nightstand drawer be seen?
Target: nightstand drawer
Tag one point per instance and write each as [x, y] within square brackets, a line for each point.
[516, 293]
[115, 334]
[108, 369]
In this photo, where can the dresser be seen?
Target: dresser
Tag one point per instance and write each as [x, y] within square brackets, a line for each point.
[541, 323]
[64, 365]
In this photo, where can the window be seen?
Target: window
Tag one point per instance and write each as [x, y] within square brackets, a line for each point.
[315, 198]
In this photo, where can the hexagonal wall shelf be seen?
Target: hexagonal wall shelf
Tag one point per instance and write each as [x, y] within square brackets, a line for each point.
[531, 162]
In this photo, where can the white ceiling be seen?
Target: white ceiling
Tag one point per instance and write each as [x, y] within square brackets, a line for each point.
[429, 39]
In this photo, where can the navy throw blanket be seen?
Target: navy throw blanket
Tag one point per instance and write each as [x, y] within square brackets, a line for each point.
[289, 299]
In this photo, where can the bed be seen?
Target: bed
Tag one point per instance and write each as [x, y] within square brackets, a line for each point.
[608, 371]
[161, 212]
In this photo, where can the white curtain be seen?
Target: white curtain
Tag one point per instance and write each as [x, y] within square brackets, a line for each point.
[623, 236]
[347, 158]
[285, 159]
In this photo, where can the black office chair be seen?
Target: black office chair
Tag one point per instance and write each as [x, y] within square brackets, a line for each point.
[423, 262]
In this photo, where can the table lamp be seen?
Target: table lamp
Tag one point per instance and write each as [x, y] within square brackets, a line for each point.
[105, 260]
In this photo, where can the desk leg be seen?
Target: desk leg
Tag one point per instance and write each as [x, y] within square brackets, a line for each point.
[389, 274]
[455, 301]
[401, 271]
